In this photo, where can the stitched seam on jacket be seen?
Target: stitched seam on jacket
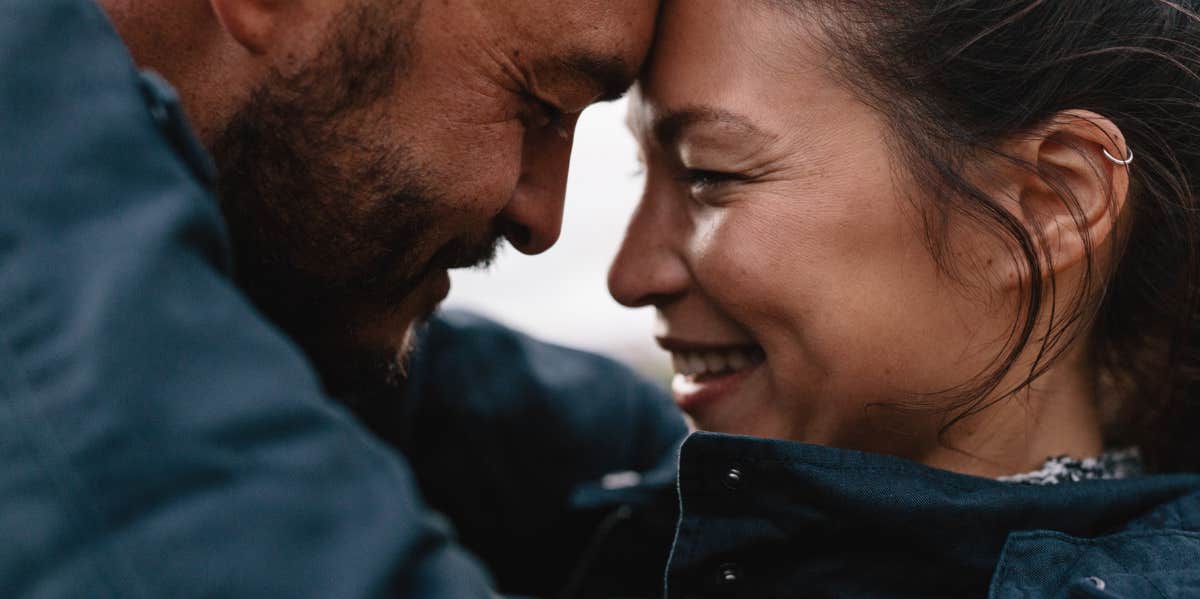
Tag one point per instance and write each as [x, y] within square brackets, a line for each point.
[1001, 570]
[1021, 536]
[1136, 534]
[1124, 569]
[1085, 545]
[1156, 588]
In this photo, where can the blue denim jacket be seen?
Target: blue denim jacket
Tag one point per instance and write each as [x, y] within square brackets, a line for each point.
[851, 524]
[502, 430]
[765, 518]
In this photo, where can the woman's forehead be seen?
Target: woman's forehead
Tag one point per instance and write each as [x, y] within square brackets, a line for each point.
[719, 50]
[743, 63]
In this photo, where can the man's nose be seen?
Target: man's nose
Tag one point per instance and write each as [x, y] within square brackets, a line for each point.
[533, 216]
[648, 269]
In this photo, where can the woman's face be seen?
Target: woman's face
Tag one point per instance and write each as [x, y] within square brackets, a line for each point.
[783, 247]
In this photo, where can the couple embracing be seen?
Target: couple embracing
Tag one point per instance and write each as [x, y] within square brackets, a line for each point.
[929, 273]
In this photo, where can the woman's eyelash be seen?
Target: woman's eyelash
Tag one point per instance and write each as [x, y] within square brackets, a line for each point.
[705, 178]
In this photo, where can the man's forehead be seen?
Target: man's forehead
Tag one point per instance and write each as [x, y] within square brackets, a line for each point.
[608, 73]
[597, 19]
[593, 36]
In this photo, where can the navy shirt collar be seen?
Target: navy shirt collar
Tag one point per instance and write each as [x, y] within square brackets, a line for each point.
[757, 511]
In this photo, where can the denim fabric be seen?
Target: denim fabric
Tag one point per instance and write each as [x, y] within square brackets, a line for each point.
[502, 429]
[158, 437]
[628, 551]
[747, 517]
[762, 518]
[1152, 563]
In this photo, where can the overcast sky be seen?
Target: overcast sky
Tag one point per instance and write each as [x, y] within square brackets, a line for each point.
[561, 295]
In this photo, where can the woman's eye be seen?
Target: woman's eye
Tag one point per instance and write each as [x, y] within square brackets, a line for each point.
[700, 180]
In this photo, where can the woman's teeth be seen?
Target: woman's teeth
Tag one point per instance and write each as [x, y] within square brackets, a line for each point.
[711, 363]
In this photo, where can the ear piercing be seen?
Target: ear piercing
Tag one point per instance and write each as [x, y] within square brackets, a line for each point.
[1118, 161]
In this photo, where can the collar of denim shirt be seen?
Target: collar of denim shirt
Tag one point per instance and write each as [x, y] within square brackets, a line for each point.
[802, 516]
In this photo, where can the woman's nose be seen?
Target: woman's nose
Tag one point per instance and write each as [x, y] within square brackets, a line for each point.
[648, 269]
[533, 217]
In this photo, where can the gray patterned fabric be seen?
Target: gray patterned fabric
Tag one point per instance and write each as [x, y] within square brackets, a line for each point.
[1116, 464]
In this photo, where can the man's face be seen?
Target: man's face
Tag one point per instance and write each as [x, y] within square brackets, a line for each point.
[421, 134]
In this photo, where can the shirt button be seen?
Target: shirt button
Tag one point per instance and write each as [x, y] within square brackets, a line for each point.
[163, 105]
[729, 574]
[158, 94]
[733, 479]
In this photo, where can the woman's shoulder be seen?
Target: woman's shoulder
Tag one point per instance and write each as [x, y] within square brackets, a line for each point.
[1153, 555]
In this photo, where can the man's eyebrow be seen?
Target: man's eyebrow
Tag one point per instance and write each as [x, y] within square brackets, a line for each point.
[670, 126]
[610, 75]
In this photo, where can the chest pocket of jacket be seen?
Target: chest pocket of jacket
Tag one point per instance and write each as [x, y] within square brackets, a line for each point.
[1129, 565]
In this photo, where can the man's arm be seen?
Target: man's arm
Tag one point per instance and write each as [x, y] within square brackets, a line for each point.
[159, 439]
[501, 430]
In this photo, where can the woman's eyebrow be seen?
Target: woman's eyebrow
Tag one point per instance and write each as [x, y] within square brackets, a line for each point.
[672, 125]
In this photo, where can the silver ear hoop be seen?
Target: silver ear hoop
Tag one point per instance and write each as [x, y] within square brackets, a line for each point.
[1115, 160]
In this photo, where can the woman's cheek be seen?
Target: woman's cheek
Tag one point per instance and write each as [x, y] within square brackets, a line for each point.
[726, 254]
[744, 266]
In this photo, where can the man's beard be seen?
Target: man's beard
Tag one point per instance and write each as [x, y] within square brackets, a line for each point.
[333, 227]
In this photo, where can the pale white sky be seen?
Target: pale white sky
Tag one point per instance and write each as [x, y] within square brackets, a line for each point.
[561, 296]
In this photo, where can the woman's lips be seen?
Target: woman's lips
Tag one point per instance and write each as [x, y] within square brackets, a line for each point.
[704, 374]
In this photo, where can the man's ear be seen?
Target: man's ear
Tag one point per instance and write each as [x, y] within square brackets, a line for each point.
[1069, 194]
[259, 25]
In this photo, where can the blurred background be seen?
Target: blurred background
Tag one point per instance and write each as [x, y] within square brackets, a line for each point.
[561, 296]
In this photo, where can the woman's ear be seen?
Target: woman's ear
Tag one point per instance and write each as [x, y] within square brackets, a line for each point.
[1069, 193]
[260, 25]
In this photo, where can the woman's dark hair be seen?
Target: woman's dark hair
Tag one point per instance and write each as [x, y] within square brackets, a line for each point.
[958, 78]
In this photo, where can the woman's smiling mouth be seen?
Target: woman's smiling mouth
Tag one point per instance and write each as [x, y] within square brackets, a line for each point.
[705, 373]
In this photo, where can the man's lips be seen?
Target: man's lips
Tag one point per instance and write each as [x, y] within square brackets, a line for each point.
[466, 253]
[435, 274]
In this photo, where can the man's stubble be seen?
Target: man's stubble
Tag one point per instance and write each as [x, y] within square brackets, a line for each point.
[330, 222]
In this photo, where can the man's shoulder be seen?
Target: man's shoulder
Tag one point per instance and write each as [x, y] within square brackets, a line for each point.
[147, 411]
[504, 430]
[457, 338]
[84, 130]
[486, 372]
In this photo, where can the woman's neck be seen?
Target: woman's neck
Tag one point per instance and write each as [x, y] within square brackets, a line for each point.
[1055, 416]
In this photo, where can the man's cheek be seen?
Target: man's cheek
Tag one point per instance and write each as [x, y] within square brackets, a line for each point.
[484, 165]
